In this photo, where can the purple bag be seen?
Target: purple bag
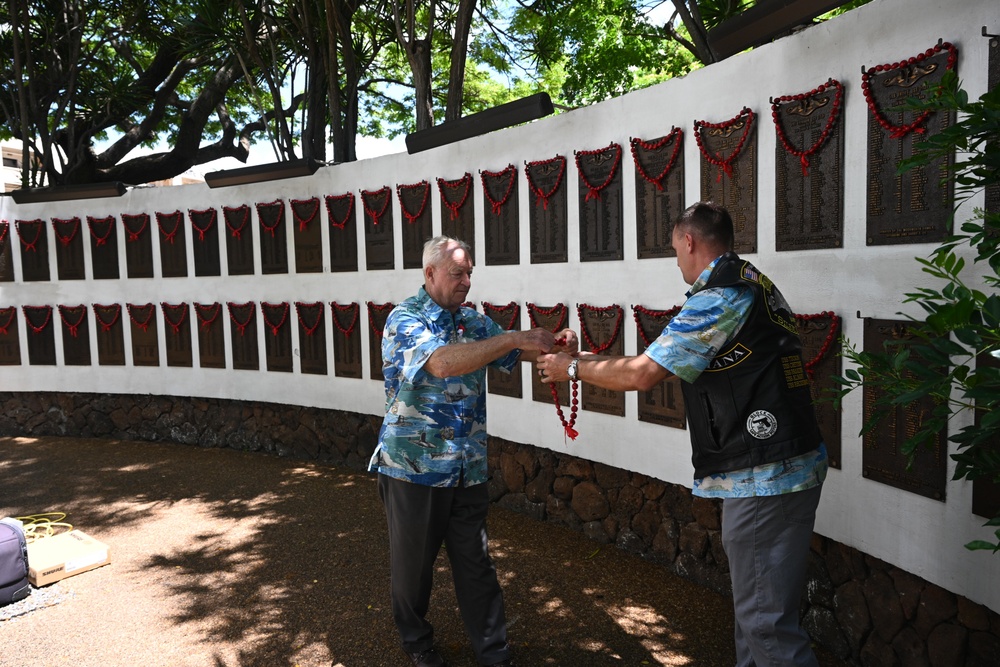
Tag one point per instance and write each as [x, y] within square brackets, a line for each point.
[13, 562]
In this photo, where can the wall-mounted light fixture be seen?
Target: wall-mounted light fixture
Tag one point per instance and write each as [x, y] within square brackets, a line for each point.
[505, 115]
[261, 172]
[763, 22]
[68, 192]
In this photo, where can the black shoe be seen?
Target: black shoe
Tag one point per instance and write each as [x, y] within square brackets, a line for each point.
[427, 658]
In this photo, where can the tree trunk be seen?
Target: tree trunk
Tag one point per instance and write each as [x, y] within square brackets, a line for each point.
[696, 28]
[459, 53]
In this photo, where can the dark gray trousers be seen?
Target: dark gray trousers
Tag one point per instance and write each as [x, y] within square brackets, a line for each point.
[766, 539]
[420, 519]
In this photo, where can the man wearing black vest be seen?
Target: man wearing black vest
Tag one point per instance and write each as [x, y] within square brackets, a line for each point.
[754, 435]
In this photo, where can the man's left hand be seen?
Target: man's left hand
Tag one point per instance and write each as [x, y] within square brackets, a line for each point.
[552, 367]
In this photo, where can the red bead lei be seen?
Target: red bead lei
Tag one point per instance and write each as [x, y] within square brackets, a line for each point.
[515, 312]
[675, 135]
[559, 307]
[354, 309]
[900, 131]
[11, 312]
[464, 182]
[366, 196]
[497, 204]
[135, 312]
[29, 246]
[128, 221]
[207, 313]
[725, 165]
[194, 215]
[830, 337]
[541, 196]
[182, 308]
[619, 316]
[72, 223]
[114, 309]
[339, 224]
[381, 309]
[412, 217]
[831, 121]
[92, 222]
[278, 206]
[160, 217]
[567, 425]
[4, 228]
[31, 325]
[232, 314]
[242, 211]
[266, 307]
[636, 310]
[300, 307]
[305, 205]
[594, 191]
[66, 311]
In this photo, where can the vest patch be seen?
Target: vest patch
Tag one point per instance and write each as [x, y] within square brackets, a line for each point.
[761, 424]
[748, 272]
[726, 360]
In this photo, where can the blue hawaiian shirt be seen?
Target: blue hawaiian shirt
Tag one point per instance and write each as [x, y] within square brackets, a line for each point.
[709, 318]
[434, 430]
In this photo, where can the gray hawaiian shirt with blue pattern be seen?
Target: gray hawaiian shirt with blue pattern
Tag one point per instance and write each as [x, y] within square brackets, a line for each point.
[434, 430]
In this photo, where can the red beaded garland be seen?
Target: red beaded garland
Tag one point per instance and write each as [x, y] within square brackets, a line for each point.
[144, 324]
[4, 228]
[31, 325]
[411, 217]
[803, 155]
[594, 191]
[194, 224]
[725, 164]
[454, 207]
[167, 307]
[91, 222]
[574, 385]
[279, 206]
[232, 315]
[305, 220]
[12, 311]
[634, 144]
[265, 307]
[512, 306]
[105, 325]
[376, 215]
[380, 308]
[541, 196]
[355, 308]
[134, 235]
[650, 313]
[201, 311]
[497, 204]
[619, 312]
[244, 210]
[29, 246]
[160, 217]
[339, 224]
[300, 306]
[65, 311]
[74, 224]
[830, 337]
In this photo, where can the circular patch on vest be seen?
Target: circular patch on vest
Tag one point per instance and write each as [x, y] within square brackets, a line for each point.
[761, 424]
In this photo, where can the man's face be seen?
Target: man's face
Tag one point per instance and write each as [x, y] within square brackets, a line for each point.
[449, 282]
[682, 245]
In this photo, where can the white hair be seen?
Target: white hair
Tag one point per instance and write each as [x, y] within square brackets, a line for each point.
[436, 248]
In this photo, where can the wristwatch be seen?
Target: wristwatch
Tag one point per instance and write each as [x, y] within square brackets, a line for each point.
[571, 369]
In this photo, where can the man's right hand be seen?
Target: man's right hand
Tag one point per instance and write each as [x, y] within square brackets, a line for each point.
[536, 340]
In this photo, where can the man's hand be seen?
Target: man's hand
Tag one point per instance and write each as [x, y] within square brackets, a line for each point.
[535, 340]
[552, 367]
[566, 341]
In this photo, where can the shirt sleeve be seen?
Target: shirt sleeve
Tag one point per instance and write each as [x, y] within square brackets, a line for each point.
[408, 343]
[708, 320]
[508, 362]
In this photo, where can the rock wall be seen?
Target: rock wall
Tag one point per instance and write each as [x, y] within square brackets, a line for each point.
[861, 609]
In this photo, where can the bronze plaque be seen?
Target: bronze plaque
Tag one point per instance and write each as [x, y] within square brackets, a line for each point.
[243, 335]
[600, 204]
[34, 250]
[75, 335]
[378, 229]
[555, 320]
[548, 215]
[500, 213]
[659, 192]
[277, 336]
[104, 247]
[239, 241]
[110, 336]
[820, 336]
[809, 166]
[883, 459]
[173, 254]
[10, 345]
[211, 335]
[6, 255]
[343, 232]
[985, 492]
[663, 404]
[729, 172]
[177, 334]
[347, 340]
[498, 382]
[205, 241]
[69, 248]
[414, 205]
[377, 315]
[458, 210]
[602, 334]
[308, 235]
[914, 207]
[138, 246]
[145, 347]
[992, 204]
[41, 335]
[312, 337]
[273, 240]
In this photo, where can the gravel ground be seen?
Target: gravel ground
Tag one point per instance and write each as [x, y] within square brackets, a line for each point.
[222, 558]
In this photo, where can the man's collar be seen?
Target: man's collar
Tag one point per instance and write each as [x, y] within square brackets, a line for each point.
[429, 305]
[704, 276]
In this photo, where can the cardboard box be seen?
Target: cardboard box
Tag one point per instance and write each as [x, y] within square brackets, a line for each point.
[53, 558]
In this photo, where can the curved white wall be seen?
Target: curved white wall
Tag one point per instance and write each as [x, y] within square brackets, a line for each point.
[917, 534]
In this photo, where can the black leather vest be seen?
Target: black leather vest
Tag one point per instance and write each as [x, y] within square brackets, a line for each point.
[752, 404]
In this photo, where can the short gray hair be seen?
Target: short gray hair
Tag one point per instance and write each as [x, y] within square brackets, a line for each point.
[434, 249]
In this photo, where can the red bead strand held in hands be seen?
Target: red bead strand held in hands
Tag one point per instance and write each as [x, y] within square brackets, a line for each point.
[831, 121]
[676, 136]
[571, 432]
[725, 165]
